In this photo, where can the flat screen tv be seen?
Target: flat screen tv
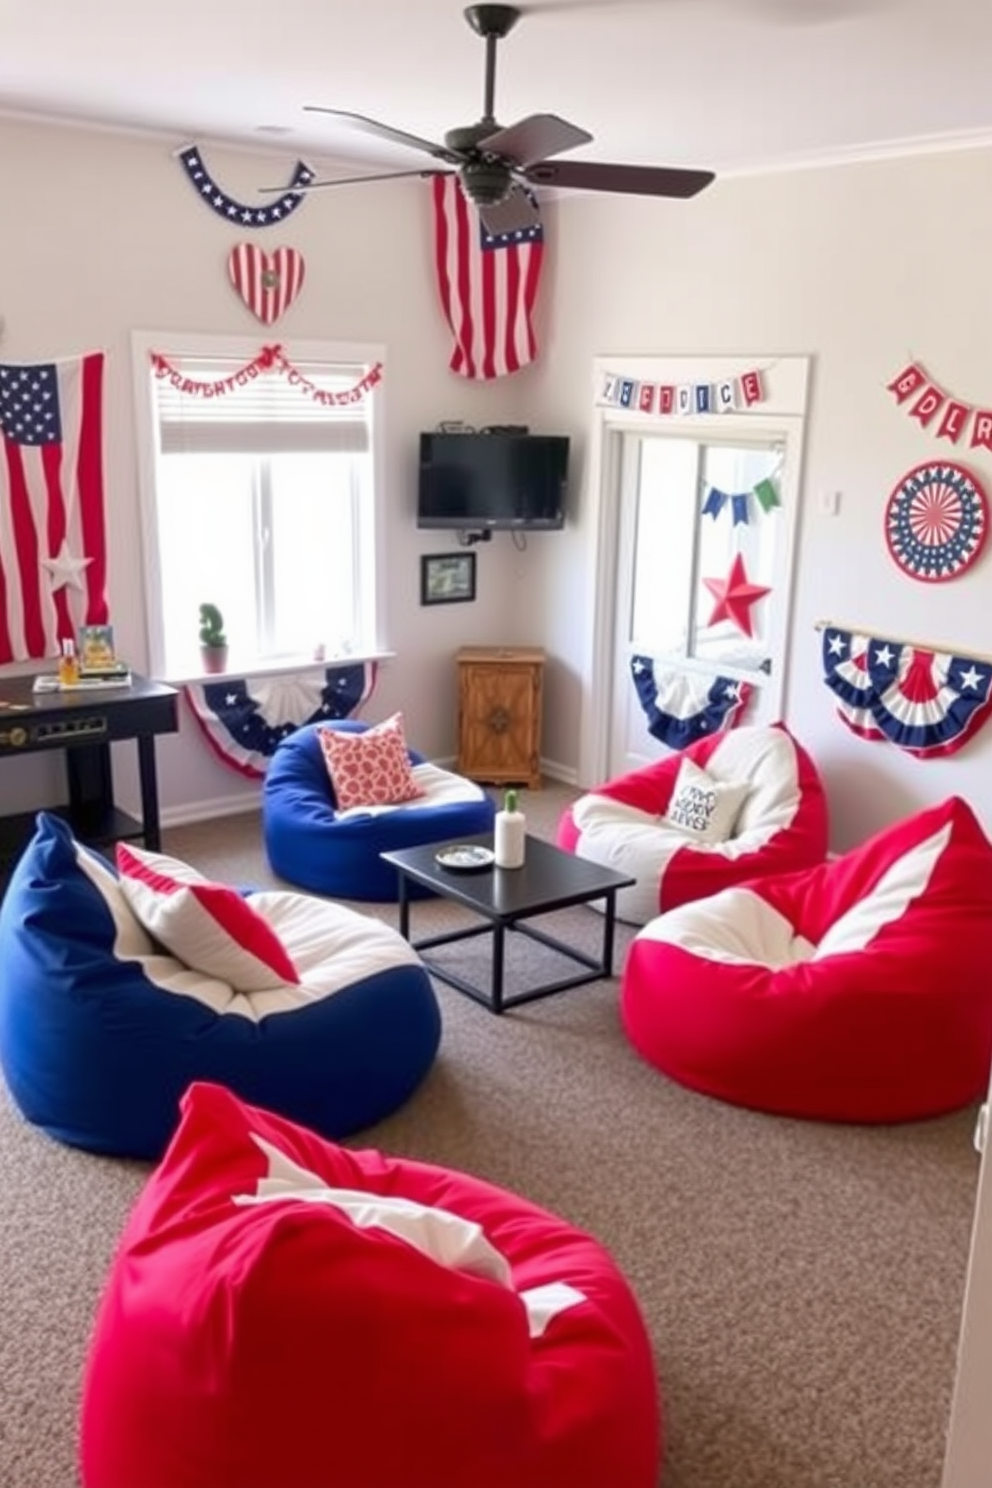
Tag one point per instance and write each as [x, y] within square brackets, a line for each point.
[489, 481]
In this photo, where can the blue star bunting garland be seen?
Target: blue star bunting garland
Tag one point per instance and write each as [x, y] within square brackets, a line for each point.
[244, 720]
[239, 214]
[682, 707]
[926, 702]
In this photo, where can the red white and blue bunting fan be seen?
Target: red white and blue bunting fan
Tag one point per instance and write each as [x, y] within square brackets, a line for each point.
[245, 719]
[936, 522]
[682, 707]
[241, 214]
[928, 703]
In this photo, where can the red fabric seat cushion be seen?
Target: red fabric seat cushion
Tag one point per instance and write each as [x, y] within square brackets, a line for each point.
[855, 991]
[281, 1343]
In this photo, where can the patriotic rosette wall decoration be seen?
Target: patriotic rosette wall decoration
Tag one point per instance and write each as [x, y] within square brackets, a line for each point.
[53, 550]
[245, 719]
[926, 702]
[682, 707]
[936, 522]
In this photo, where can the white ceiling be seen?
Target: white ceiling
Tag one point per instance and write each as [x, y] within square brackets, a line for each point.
[731, 85]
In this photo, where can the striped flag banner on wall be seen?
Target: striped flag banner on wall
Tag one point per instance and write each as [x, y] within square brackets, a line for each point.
[488, 285]
[267, 282]
[53, 549]
[245, 719]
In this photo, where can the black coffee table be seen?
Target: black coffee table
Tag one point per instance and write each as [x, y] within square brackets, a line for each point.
[507, 897]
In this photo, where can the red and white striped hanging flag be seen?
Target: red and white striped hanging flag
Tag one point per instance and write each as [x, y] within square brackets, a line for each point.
[53, 550]
[488, 285]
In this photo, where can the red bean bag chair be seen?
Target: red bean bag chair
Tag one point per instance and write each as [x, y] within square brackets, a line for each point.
[741, 804]
[856, 991]
[283, 1313]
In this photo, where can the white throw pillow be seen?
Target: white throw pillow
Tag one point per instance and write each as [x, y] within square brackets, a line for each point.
[702, 807]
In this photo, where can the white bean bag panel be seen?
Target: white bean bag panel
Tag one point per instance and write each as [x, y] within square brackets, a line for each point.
[856, 991]
[102, 1028]
[777, 820]
[285, 1313]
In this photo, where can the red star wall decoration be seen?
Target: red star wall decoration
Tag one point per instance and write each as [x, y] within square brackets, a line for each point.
[734, 597]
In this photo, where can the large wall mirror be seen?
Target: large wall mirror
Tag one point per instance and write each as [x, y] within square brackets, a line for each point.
[696, 523]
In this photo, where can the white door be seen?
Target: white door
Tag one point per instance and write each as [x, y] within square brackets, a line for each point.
[703, 553]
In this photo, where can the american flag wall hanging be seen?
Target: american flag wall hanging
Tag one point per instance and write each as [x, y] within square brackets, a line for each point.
[682, 707]
[488, 285]
[53, 549]
[243, 214]
[267, 282]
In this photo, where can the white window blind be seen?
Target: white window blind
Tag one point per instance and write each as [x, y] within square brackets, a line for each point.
[268, 414]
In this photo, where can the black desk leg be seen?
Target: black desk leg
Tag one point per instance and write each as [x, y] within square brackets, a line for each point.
[499, 931]
[91, 787]
[403, 904]
[149, 793]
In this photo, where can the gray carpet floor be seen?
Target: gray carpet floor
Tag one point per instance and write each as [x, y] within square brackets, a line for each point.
[802, 1282]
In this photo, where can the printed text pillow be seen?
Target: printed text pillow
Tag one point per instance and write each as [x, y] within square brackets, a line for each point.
[703, 807]
[208, 926]
[371, 768]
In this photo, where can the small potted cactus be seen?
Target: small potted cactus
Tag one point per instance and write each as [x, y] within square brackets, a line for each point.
[213, 641]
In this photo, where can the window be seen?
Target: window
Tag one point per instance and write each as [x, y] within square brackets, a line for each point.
[259, 498]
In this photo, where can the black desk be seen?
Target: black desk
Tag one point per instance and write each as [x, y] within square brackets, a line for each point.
[83, 725]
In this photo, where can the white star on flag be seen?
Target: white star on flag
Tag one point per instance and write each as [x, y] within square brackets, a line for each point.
[971, 677]
[837, 647]
[65, 570]
[883, 656]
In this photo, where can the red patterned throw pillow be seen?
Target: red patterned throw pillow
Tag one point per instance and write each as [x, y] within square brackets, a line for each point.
[209, 926]
[371, 768]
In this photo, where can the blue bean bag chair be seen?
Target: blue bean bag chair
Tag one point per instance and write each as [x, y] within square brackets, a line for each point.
[306, 1007]
[311, 842]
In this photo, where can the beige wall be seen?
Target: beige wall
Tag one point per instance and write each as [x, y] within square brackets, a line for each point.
[861, 267]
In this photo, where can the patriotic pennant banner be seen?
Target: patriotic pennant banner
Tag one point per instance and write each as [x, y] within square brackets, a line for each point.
[928, 703]
[239, 213]
[245, 719]
[269, 359]
[944, 415]
[53, 549]
[268, 283]
[679, 400]
[487, 283]
[682, 707]
[764, 492]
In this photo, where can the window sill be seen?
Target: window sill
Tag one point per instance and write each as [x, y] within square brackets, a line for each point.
[236, 669]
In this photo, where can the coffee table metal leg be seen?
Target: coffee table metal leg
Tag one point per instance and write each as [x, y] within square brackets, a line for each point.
[609, 926]
[403, 905]
[499, 931]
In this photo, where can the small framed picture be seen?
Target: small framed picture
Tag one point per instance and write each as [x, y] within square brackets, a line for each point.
[447, 578]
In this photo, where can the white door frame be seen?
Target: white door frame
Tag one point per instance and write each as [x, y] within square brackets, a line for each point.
[782, 407]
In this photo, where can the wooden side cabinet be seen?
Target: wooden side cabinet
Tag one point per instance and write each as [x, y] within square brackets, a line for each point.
[499, 714]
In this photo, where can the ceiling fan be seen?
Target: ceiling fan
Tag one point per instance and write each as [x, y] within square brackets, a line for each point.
[495, 165]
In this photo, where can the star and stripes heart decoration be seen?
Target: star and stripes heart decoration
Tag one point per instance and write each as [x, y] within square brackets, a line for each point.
[268, 283]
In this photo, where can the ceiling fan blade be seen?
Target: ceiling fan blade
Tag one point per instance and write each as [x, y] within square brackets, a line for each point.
[387, 132]
[518, 213]
[425, 170]
[637, 180]
[534, 138]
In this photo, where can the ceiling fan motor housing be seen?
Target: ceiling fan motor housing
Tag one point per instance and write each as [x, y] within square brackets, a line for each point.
[485, 182]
